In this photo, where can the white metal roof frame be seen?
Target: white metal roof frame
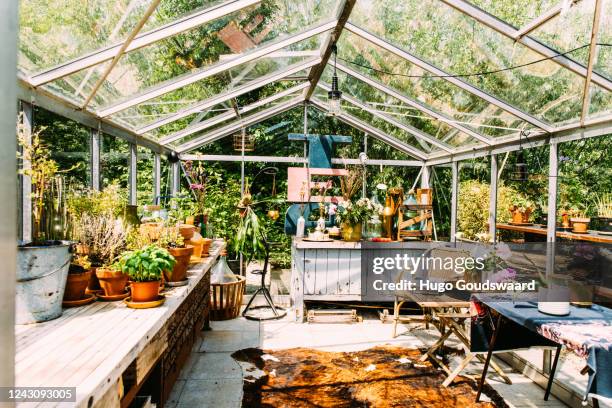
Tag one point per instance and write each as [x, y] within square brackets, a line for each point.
[334, 27]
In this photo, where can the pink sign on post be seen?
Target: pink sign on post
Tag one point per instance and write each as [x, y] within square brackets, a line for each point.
[299, 183]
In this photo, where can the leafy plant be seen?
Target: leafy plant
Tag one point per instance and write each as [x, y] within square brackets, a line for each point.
[112, 201]
[104, 235]
[197, 175]
[358, 212]
[603, 205]
[250, 234]
[146, 264]
[181, 207]
[47, 188]
[170, 237]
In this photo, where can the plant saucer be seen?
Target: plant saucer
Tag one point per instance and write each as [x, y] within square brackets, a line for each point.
[89, 297]
[145, 305]
[176, 284]
[114, 298]
[94, 291]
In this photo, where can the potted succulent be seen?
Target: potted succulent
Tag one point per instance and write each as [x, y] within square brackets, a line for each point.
[42, 265]
[353, 215]
[521, 210]
[145, 268]
[172, 240]
[78, 278]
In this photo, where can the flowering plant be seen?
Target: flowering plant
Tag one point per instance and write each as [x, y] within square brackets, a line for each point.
[358, 212]
[197, 177]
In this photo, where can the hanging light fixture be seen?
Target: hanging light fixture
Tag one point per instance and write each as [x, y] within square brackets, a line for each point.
[521, 171]
[335, 95]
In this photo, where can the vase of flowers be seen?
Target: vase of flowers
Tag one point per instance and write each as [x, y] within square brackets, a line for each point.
[353, 215]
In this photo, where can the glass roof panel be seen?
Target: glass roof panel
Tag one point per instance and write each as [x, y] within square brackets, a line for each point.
[209, 113]
[516, 13]
[437, 93]
[378, 123]
[248, 112]
[461, 45]
[394, 108]
[603, 63]
[601, 102]
[151, 66]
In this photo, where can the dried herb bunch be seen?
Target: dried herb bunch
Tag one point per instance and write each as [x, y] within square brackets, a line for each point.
[104, 235]
[351, 183]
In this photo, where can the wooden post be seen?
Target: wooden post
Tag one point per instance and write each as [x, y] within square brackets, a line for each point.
[156, 177]
[305, 131]
[454, 199]
[493, 199]
[133, 177]
[94, 157]
[8, 188]
[25, 183]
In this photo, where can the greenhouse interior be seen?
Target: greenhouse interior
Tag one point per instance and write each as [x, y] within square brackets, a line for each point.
[316, 203]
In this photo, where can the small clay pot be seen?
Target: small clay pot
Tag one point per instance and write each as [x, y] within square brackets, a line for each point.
[206, 246]
[182, 256]
[580, 225]
[113, 282]
[197, 243]
[76, 285]
[144, 291]
[186, 231]
[94, 282]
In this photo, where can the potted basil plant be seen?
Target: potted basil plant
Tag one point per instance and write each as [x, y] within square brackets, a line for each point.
[145, 268]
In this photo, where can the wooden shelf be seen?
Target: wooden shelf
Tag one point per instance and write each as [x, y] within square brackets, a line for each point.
[417, 207]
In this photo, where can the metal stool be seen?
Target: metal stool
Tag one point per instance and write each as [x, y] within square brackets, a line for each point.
[278, 312]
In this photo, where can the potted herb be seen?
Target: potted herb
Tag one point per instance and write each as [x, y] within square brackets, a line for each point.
[521, 210]
[603, 207]
[580, 222]
[172, 240]
[353, 215]
[105, 237]
[145, 268]
[42, 265]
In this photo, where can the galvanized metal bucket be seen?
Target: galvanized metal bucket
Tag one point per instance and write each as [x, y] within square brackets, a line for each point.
[41, 279]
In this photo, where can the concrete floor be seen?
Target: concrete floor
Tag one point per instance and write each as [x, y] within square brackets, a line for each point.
[211, 377]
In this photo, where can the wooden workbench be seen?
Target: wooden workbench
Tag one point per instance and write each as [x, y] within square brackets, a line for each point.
[107, 350]
[591, 236]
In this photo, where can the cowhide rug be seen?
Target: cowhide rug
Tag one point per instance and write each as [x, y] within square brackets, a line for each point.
[379, 377]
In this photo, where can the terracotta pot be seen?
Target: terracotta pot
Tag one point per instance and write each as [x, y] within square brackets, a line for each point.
[76, 285]
[144, 291]
[580, 225]
[182, 256]
[187, 231]
[197, 244]
[520, 217]
[94, 282]
[206, 246]
[113, 282]
[565, 220]
[351, 233]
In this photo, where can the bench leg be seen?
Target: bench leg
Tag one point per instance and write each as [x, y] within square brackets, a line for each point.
[551, 376]
[489, 355]
[459, 369]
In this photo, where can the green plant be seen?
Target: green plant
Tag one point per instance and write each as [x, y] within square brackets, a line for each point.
[473, 207]
[170, 237]
[48, 209]
[198, 177]
[104, 235]
[112, 200]
[250, 235]
[181, 207]
[603, 205]
[146, 264]
[358, 212]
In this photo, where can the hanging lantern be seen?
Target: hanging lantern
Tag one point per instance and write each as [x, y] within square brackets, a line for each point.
[335, 95]
[520, 168]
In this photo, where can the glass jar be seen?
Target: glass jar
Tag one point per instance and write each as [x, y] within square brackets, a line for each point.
[374, 227]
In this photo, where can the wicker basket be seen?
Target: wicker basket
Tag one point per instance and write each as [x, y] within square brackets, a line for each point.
[226, 299]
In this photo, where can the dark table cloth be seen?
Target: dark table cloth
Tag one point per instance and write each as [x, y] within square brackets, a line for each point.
[586, 331]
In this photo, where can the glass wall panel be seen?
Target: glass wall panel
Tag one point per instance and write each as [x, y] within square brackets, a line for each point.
[144, 176]
[114, 158]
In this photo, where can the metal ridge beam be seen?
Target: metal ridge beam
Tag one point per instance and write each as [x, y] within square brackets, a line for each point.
[239, 124]
[217, 68]
[454, 80]
[241, 90]
[409, 129]
[595, 128]
[229, 115]
[315, 74]
[541, 19]
[62, 107]
[415, 104]
[375, 132]
[176, 27]
[509, 31]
